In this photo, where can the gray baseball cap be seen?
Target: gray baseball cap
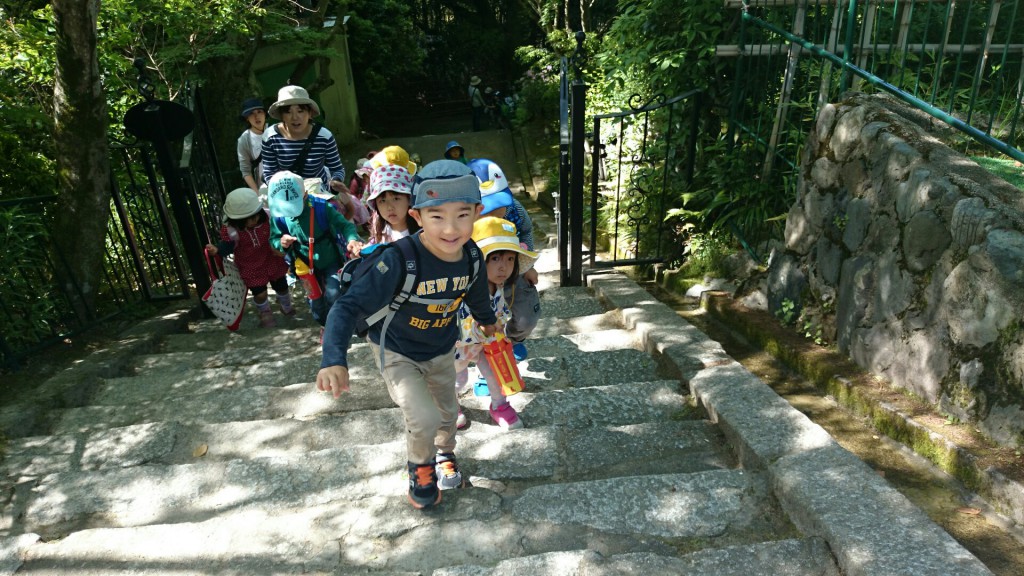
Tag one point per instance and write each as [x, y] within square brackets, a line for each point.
[444, 181]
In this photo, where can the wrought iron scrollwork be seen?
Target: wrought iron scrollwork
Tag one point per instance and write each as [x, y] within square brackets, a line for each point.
[636, 102]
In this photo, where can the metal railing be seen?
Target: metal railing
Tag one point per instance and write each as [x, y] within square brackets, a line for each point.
[961, 62]
[143, 257]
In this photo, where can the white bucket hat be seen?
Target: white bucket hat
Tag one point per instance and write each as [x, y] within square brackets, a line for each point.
[290, 95]
[286, 194]
[241, 203]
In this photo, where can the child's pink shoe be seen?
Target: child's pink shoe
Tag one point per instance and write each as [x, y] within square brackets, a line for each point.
[506, 417]
[267, 319]
[461, 421]
[288, 311]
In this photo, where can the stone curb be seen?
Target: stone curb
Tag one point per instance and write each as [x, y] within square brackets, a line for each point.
[74, 385]
[1005, 495]
[871, 528]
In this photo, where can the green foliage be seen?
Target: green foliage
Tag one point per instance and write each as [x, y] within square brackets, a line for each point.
[538, 92]
[813, 331]
[704, 254]
[786, 312]
[31, 313]
[660, 46]
[729, 197]
[385, 47]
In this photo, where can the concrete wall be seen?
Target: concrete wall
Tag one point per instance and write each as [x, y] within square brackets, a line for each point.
[338, 102]
[910, 257]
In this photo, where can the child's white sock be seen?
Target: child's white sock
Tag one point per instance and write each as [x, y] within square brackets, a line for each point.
[263, 306]
[497, 401]
[285, 300]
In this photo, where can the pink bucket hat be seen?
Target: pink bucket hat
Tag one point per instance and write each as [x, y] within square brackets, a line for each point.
[389, 177]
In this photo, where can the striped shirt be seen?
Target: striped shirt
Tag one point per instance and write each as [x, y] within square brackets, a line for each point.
[323, 160]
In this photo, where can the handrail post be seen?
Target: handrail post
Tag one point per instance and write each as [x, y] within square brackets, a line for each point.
[851, 21]
[160, 121]
[578, 111]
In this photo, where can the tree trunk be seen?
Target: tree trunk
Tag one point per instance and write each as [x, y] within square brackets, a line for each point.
[83, 164]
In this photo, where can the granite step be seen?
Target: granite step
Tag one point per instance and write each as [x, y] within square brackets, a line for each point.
[291, 339]
[792, 557]
[174, 441]
[280, 388]
[326, 531]
[64, 502]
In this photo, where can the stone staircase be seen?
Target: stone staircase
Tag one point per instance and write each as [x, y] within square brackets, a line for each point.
[207, 452]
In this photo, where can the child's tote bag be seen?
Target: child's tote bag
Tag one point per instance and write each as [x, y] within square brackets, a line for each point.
[226, 296]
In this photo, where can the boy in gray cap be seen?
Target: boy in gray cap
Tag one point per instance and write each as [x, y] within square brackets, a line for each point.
[420, 341]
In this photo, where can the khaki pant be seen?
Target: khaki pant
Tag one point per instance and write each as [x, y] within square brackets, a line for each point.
[425, 392]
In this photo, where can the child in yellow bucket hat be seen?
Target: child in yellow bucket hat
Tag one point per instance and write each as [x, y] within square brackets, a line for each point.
[505, 260]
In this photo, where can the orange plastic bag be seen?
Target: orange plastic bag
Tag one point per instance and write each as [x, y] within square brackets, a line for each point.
[498, 353]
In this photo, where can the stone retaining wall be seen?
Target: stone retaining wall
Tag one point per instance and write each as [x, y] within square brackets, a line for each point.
[910, 258]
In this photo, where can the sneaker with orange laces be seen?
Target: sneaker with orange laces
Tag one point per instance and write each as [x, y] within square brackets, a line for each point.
[448, 474]
[423, 490]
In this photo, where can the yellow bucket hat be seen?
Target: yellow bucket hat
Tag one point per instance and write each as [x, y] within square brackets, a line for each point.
[493, 234]
[394, 155]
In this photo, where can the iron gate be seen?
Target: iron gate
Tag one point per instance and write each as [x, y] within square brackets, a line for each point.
[640, 161]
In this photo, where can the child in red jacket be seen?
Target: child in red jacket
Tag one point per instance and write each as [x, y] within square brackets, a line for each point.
[246, 234]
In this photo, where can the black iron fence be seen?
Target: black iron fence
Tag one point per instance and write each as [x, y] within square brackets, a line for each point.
[639, 159]
[961, 62]
[152, 252]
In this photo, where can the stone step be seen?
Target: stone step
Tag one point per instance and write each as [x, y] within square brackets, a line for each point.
[290, 340]
[59, 503]
[264, 350]
[592, 359]
[221, 340]
[793, 557]
[365, 523]
[473, 531]
[173, 441]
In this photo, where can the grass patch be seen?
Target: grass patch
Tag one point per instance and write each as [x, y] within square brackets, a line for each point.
[1006, 168]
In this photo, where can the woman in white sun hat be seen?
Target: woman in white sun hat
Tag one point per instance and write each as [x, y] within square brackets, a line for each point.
[299, 145]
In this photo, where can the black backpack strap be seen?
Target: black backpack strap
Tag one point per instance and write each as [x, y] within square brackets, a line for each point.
[405, 291]
[474, 255]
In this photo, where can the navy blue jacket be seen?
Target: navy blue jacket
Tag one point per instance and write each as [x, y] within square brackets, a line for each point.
[417, 331]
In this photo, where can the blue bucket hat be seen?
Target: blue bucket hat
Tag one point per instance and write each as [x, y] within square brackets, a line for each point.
[251, 105]
[444, 181]
[494, 190]
[453, 144]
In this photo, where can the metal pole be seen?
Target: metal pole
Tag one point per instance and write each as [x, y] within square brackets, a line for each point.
[578, 109]
[179, 202]
[579, 96]
[562, 196]
[851, 22]
[595, 162]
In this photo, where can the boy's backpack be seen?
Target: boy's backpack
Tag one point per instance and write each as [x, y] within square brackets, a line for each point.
[322, 225]
[368, 258]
